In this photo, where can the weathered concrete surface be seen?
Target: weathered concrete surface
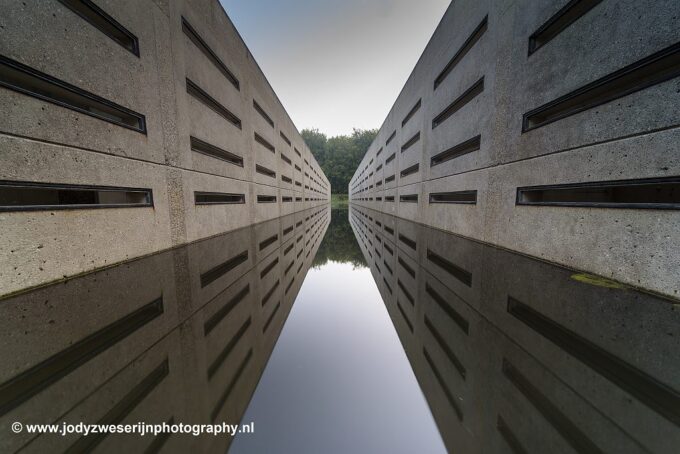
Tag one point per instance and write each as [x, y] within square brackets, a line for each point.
[44, 142]
[632, 137]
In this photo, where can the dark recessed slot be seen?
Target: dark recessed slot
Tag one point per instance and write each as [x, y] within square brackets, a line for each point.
[459, 273]
[403, 314]
[456, 151]
[411, 113]
[469, 94]
[122, 409]
[269, 267]
[566, 16]
[649, 71]
[378, 223]
[406, 293]
[462, 52]
[551, 412]
[224, 354]
[410, 170]
[218, 316]
[298, 224]
[299, 252]
[287, 230]
[271, 317]
[300, 267]
[386, 284]
[297, 183]
[208, 52]
[290, 265]
[298, 168]
[288, 249]
[412, 141]
[205, 148]
[223, 268]
[378, 199]
[655, 193]
[28, 81]
[34, 380]
[389, 230]
[270, 292]
[271, 240]
[389, 139]
[28, 196]
[286, 179]
[266, 199]
[410, 198]
[298, 199]
[377, 169]
[445, 347]
[408, 269]
[265, 171]
[285, 159]
[286, 199]
[230, 387]
[408, 241]
[388, 248]
[387, 267]
[218, 198]
[106, 24]
[290, 284]
[509, 437]
[299, 239]
[298, 153]
[464, 197]
[389, 159]
[656, 395]
[262, 141]
[262, 113]
[198, 93]
[378, 153]
[377, 252]
[389, 198]
[442, 383]
[451, 312]
[285, 139]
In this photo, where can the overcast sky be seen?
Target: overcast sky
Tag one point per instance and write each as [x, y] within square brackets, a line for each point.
[336, 64]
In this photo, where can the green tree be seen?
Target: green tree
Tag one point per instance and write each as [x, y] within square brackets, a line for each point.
[339, 156]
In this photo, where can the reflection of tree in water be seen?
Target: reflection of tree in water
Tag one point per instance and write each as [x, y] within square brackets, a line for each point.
[339, 243]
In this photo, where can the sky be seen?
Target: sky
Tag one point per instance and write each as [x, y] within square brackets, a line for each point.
[336, 64]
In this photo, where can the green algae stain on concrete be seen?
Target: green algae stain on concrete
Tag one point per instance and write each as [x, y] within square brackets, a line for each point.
[598, 281]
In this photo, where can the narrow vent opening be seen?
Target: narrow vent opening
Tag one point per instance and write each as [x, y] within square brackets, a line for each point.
[662, 193]
[462, 52]
[285, 139]
[28, 81]
[410, 170]
[217, 198]
[389, 179]
[223, 268]
[271, 240]
[454, 270]
[389, 198]
[262, 113]
[285, 159]
[456, 151]
[286, 199]
[262, 141]
[390, 158]
[265, 171]
[205, 148]
[411, 113]
[469, 94]
[266, 199]
[408, 241]
[463, 197]
[269, 268]
[650, 71]
[412, 141]
[286, 179]
[389, 139]
[446, 307]
[195, 38]
[27, 196]
[210, 102]
[559, 22]
[407, 268]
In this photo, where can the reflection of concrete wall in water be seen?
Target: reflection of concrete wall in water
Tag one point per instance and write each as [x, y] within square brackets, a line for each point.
[511, 97]
[179, 336]
[515, 353]
[132, 127]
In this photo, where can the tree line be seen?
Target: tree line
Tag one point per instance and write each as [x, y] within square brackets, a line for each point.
[339, 156]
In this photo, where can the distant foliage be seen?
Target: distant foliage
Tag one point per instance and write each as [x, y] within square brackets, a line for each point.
[339, 156]
[339, 244]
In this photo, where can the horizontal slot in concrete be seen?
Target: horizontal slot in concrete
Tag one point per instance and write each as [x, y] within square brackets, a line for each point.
[467, 96]
[456, 151]
[403, 314]
[262, 113]
[406, 293]
[652, 70]
[463, 51]
[34, 380]
[411, 113]
[409, 143]
[387, 285]
[407, 268]
[223, 268]
[200, 146]
[218, 198]
[230, 387]
[285, 139]
[408, 198]
[269, 267]
[442, 383]
[267, 296]
[262, 141]
[271, 317]
[266, 199]
[408, 241]
[103, 22]
[198, 93]
[29, 196]
[463, 197]
[457, 364]
[272, 239]
[224, 354]
[28, 81]
[265, 171]
[454, 270]
[559, 22]
[410, 170]
[290, 284]
[391, 137]
[458, 319]
[225, 310]
[208, 52]
[286, 159]
[654, 193]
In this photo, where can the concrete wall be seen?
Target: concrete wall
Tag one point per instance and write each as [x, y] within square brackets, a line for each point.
[195, 357]
[618, 136]
[46, 142]
[581, 368]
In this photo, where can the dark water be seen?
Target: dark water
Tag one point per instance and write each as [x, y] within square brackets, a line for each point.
[349, 331]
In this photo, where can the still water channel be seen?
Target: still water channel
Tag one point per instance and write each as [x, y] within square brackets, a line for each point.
[338, 331]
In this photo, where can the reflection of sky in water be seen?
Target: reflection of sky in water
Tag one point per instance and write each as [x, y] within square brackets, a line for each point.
[338, 379]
